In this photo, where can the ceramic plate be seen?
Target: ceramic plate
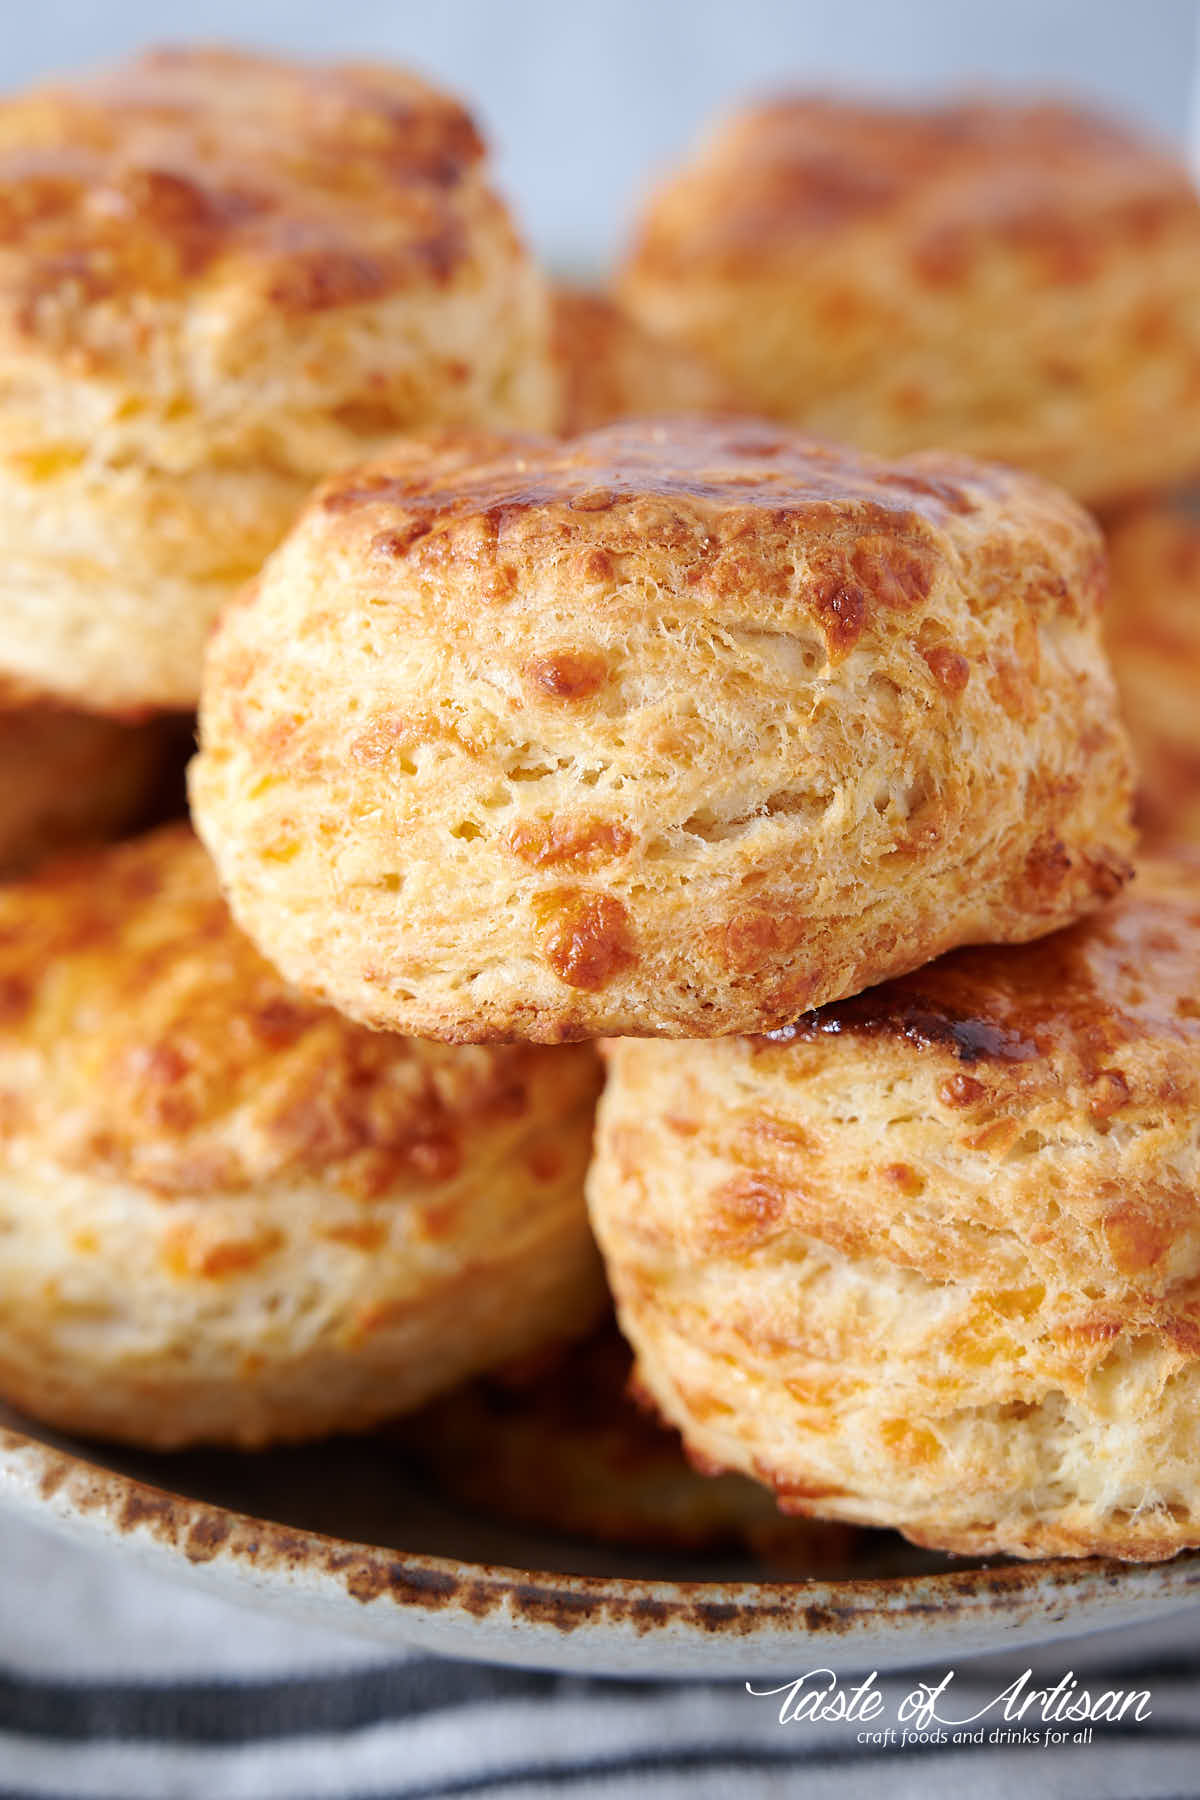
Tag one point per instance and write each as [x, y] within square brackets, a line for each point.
[347, 1535]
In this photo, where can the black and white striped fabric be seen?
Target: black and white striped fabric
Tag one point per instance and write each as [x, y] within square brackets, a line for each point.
[115, 1685]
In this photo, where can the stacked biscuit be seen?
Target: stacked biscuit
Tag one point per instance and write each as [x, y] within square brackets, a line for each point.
[226, 1213]
[792, 774]
[1014, 280]
[220, 276]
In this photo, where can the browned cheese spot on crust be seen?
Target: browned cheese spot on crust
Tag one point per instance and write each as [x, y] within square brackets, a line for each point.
[567, 674]
[588, 938]
[949, 668]
[569, 843]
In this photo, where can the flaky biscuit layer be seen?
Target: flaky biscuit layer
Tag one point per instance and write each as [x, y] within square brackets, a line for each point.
[930, 1258]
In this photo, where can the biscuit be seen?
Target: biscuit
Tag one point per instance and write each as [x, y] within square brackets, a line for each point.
[610, 367]
[672, 729]
[1016, 280]
[221, 276]
[1154, 646]
[70, 778]
[561, 1446]
[228, 1216]
[930, 1258]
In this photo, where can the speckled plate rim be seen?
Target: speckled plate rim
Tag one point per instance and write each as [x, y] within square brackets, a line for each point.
[598, 1624]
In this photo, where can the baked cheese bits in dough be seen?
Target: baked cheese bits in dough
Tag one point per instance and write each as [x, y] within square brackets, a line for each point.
[670, 729]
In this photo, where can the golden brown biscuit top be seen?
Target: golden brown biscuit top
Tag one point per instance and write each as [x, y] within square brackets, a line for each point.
[741, 465]
[1041, 177]
[333, 184]
[718, 509]
[1080, 1006]
[142, 1036]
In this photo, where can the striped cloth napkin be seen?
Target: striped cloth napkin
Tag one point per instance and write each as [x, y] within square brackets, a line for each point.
[119, 1685]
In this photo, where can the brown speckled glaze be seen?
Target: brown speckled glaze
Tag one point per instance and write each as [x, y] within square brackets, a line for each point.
[599, 1623]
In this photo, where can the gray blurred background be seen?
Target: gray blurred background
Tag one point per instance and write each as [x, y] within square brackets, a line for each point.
[585, 99]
